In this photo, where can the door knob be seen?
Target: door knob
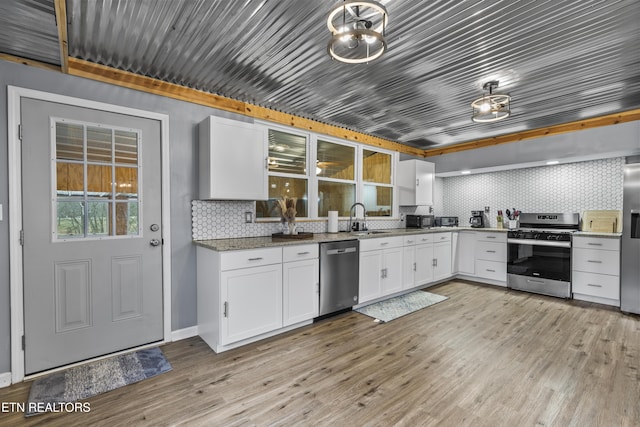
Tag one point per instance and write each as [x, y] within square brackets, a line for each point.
[154, 242]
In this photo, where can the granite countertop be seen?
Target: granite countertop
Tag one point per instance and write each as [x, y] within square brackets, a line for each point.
[597, 234]
[267, 241]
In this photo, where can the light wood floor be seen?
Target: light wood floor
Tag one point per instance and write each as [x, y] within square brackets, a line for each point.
[485, 357]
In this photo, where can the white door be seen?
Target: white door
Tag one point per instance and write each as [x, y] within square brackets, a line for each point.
[91, 203]
[370, 286]
[392, 262]
[300, 290]
[424, 264]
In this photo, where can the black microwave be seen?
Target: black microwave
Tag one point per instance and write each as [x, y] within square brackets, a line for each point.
[420, 221]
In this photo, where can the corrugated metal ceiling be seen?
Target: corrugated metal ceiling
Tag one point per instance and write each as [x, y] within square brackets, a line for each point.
[560, 60]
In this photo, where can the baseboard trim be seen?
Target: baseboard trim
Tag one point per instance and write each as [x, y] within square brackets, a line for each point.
[185, 333]
[5, 379]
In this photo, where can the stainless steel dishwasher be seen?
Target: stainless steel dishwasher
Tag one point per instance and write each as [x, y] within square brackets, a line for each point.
[339, 274]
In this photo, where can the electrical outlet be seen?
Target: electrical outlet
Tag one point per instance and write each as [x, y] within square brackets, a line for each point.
[401, 217]
[487, 209]
[248, 217]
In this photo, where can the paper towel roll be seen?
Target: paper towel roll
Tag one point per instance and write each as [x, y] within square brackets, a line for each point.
[333, 222]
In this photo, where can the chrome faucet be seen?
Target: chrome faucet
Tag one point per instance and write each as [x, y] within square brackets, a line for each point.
[352, 211]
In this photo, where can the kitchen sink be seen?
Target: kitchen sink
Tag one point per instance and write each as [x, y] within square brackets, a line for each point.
[368, 232]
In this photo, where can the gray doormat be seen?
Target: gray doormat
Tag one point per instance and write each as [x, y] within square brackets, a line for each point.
[84, 381]
[385, 311]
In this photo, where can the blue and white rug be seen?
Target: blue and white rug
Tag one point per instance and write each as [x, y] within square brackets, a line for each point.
[385, 311]
[84, 381]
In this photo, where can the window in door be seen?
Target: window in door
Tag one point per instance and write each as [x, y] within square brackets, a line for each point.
[96, 181]
[288, 174]
[377, 182]
[335, 170]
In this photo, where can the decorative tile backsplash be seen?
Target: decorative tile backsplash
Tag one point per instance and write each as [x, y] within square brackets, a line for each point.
[572, 187]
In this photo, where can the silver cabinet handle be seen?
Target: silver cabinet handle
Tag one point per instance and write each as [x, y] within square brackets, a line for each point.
[492, 252]
[594, 261]
[304, 253]
[409, 241]
[226, 309]
[415, 266]
[488, 269]
[594, 285]
[384, 243]
[255, 259]
[417, 182]
[594, 244]
[490, 237]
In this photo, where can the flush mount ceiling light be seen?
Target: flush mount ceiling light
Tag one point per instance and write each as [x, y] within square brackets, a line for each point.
[357, 31]
[491, 107]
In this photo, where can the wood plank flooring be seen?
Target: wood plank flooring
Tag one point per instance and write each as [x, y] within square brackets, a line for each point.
[485, 357]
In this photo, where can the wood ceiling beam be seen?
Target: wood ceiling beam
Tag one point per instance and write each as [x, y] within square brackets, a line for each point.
[610, 119]
[29, 62]
[61, 23]
[90, 70]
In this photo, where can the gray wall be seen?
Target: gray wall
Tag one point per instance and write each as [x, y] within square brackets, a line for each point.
[184, 169]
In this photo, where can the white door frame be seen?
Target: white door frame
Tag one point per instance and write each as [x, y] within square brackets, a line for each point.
[14, 95]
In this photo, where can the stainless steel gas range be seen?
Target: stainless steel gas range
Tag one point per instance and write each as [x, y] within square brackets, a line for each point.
[539, 253]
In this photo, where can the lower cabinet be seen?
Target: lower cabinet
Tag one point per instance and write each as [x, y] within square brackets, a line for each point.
[595, 272]
[380, 267]
[252, 302]
[466, 253]
[417, 260]
[301, 291]
[247, 295]
[441, 256]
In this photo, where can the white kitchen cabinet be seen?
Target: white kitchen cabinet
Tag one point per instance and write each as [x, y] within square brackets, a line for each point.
[466, 253]
[415, 182]
[233, 159]
[252, 302]
[595, 270]
[300, 286]
[380, 267]
[441, 256]
[239, 294]
[491, 257]
[417, 260]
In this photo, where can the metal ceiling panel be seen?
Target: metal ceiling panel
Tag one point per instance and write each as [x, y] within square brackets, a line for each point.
[560, 61]
[28, 30]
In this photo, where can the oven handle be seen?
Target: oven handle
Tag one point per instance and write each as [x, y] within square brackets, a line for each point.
[534, 242]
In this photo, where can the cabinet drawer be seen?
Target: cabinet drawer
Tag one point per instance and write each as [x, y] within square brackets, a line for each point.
[491, 237]
[596, 261]
[596, 243]
[491, 270]
[380, 243]
[299, 252]
[441, 237]
[417, 239]
[232, 260]
[491, 251]
[597, 285]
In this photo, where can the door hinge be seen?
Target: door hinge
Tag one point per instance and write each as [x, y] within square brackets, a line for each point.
[23, 343]
[21, 237]
[20, 132]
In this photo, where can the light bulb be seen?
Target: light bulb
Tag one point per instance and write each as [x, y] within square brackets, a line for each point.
[485, 107]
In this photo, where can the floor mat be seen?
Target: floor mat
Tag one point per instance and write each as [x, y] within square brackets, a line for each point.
[387, 310]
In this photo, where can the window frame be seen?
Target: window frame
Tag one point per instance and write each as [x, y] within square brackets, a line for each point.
[362, 183]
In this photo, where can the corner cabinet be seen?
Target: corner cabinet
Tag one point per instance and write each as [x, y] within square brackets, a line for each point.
[415, 182]
[233, 159]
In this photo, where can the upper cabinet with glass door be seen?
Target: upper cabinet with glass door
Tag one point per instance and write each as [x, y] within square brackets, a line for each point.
[233, 160]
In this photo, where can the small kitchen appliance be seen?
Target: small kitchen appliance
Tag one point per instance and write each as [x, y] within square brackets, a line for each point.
[420, 221]
[447, 221]
[477, 219]
[539, 253]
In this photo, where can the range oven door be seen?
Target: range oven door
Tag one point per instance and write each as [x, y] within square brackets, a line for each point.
[539, 266]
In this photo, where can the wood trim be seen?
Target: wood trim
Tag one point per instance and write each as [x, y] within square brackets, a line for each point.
[30, 62]
[610, 119]
[61, 23]
[102, 73]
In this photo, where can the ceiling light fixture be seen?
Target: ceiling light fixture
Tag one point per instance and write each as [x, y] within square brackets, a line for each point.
[491, 107]
[357, 31]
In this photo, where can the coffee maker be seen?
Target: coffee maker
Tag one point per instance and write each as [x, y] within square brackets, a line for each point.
[477, 219]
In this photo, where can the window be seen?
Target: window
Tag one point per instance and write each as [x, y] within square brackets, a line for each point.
[377, 184]
[288, 173]
[96, 181]
[335, 170]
